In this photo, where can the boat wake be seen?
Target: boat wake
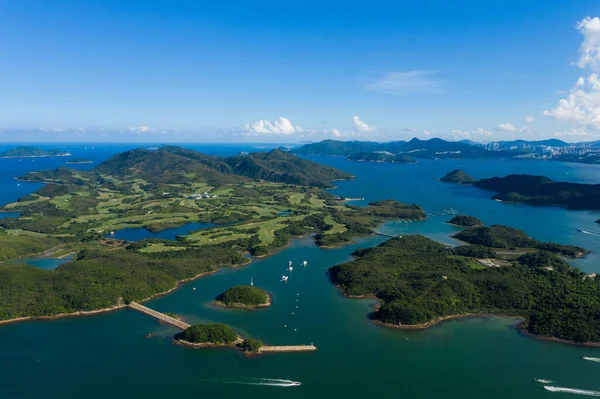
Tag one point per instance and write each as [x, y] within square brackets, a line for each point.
[542, 381]
[589, 232]
[271, 382]
[592, 359]
[572, 390]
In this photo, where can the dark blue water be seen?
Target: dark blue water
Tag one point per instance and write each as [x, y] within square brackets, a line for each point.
[136, 234]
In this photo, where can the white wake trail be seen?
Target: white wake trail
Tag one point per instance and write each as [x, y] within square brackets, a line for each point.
[572, 390]
[592, 359]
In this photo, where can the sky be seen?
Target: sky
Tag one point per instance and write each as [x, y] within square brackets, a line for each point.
[298, 71]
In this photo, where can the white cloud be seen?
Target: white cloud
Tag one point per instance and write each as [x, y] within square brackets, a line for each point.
[507, 127]
[427, 133]
[529, 119]
[589, 51]
[408, 82]
[410, 130]
[281, 126]
[362, 126]
[478, 133]
[572, 132]
[140, 129]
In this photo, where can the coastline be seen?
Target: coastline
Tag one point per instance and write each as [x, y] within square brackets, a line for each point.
[115, 307]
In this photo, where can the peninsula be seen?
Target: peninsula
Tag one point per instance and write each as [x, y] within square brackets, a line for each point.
[380, 156]
[534, 190]
[77, 161]
[419, 282]
[32, 152]
[257, 203]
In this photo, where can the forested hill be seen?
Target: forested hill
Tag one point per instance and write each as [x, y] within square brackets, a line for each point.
[433, 148]
[419, 280]
[175, 164]
[32, 152]
[534, 190]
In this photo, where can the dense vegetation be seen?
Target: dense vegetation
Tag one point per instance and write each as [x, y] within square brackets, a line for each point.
[98, 278]
[498, 236]
[243, 295]
[458, 176]
[534, 190]
[380, 157]
[419, 280]
[251, 345]
[14, 246]
[465, 221]
[208, 333]
[30, 152]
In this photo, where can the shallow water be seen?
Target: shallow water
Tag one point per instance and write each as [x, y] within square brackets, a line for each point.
[107, 355]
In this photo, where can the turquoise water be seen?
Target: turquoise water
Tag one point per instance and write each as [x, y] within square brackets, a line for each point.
[136, 234]
[45, 263]
[107, 355]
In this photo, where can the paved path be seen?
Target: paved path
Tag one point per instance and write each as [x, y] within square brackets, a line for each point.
[160, 316]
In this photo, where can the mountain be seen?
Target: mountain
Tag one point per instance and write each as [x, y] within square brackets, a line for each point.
[534, 190]
[380, 157]
[432, 148]
[32, 152]
[174, 165]
[526, 143]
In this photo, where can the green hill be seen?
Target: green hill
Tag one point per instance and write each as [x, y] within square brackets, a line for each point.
[32, 152]
[419, 281]
[465, 221]
[244, 296]
[380, 157]
[458, 176]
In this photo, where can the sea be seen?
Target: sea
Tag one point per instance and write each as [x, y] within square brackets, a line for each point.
[125, 354]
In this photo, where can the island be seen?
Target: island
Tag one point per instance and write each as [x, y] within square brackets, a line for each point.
[32, 152]
[244, 296]
[255, 203]
[380, 156]
[465, 221]
[77, 161]
[419, 282]
[207, 335]
[534, 190]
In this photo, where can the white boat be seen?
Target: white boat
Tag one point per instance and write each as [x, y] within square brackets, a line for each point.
[289, 263]
[305, 263]
[290, 268]
[251, 280]
[284, 278]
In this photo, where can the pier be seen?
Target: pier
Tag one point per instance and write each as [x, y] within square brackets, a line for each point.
[159, 316]
[289, 348]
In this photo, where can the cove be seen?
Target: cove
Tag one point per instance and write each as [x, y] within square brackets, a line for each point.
[140, 233]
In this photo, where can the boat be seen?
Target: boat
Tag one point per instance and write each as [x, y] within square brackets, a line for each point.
[581, 231]
[284, 278]
[542, 381]
[289, 263]
[290, 268]
[251, 280]
[305, 263]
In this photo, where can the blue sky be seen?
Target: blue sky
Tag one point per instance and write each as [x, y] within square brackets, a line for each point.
[298, 71]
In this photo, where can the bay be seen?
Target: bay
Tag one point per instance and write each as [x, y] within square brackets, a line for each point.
[108, 355]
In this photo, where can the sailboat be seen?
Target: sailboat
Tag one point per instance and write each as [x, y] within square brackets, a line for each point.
[251, 280]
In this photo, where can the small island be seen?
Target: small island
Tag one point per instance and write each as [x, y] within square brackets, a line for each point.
[206, 335]
[465, 221]
[32, 152]
[420, 282]
[458, 176]
[380, 156]
[533, 190]
[245, 297]
[77, 161]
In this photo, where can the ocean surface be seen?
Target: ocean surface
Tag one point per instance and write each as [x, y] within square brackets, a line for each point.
[108, 355]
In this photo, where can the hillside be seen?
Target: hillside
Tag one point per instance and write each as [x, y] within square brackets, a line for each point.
[380, 157]
[534, 190]
[420, 281]
[32, 152]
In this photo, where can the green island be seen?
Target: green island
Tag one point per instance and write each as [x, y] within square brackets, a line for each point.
[465, 221]
[251, 345]
[380, 156]
[77, 161]
[420, 282]
[244, 296]
[32, 152]
[534, 190]
[208, 335]
[258, 203]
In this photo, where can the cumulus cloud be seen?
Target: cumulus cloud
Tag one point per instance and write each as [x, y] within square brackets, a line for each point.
[362, 126]
[140, 129]
[581, 107]
[478, 133]
[281, 126]
[572, 132]
[529, 119]
[507, 127]
[589, 51]
[407, 82]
